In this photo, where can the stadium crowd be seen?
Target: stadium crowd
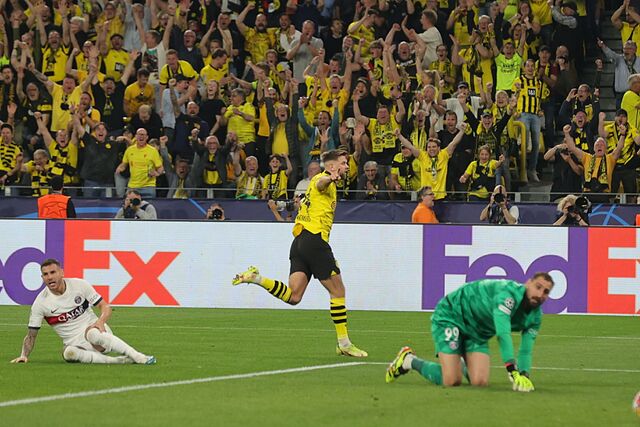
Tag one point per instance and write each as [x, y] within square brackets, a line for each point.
[244, 96]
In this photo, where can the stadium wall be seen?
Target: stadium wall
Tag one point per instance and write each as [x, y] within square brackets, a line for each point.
[385, 267]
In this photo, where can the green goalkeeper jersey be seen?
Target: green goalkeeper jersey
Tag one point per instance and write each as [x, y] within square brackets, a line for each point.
[487, 308]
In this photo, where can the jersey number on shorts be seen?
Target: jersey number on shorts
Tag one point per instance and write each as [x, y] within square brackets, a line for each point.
[450, 333]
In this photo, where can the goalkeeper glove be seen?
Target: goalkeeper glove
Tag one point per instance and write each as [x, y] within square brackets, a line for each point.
[519, 381]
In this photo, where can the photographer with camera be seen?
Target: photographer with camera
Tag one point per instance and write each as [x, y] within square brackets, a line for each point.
[215, 213]
[278, 207]
[499, 210]
[134, 207]
[573, 210]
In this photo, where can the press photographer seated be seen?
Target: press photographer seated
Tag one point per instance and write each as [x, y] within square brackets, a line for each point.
[499, 210]
[289, 208]
[215, 213]
[133, 207]
[573, 210]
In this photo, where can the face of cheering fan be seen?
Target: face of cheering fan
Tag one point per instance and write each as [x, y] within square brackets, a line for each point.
[433, 148]
[600, 147]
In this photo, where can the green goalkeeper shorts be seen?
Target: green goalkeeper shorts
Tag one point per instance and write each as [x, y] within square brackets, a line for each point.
[449, 339]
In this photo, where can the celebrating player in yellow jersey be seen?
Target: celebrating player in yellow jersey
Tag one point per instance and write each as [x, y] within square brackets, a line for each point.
[310, 252]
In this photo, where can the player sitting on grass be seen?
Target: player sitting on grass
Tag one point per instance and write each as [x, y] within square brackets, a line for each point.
[310, 252]
[465, 320]
[66, 305]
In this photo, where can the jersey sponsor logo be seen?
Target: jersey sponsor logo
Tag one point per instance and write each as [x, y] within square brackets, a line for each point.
[69, 315]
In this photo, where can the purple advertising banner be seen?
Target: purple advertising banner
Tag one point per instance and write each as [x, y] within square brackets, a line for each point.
[454, 255]
[11, 270]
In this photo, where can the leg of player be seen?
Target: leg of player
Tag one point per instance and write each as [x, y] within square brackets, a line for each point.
[479, 366]
[338, 311]
[76, 354]
[110, 342]
[406, 360]
[291, 294]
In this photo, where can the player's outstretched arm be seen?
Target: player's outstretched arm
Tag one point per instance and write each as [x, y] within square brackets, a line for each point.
[505, 303]
[27, 345]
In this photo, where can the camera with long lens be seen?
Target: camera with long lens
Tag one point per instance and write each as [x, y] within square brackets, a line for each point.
[498, 197]
[285, 205]
[216, 214]
[130, 211]
[583, 205]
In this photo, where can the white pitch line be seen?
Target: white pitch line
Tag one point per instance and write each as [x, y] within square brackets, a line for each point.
[364, 331]
[172, 384]
[125, 389]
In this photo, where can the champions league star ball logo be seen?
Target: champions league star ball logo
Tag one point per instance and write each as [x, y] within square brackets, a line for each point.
[78, 299]
[509, 303]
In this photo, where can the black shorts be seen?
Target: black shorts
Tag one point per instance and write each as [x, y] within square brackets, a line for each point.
[311, 255]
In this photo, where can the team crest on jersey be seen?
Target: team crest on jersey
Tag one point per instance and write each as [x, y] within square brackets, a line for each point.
[453, 345]
[509, 303]
[77, 299]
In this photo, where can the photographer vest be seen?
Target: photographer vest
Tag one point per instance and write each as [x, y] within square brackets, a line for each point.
[53, 206]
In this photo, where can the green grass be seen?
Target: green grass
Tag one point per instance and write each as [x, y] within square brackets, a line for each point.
[199, 343]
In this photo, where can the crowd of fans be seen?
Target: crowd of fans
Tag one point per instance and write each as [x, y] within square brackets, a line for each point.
[244, 96]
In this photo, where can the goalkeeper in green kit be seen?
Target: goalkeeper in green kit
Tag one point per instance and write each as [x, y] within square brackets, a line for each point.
[465, 320]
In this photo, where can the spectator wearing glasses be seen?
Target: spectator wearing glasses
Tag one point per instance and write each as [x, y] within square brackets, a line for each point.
[423, 213]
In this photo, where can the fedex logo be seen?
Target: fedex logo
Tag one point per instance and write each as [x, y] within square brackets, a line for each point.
[614, 270]
[67, 241]
[455, 255]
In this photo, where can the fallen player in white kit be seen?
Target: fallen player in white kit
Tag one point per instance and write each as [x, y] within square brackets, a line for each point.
[66, 305]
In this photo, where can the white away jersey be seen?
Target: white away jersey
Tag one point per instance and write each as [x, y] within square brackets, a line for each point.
[69, 314]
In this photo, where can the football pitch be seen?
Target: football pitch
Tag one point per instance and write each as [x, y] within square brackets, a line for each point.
[278, 368]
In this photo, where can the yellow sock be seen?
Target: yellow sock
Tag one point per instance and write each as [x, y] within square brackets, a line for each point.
[339, 317]
[276, 288]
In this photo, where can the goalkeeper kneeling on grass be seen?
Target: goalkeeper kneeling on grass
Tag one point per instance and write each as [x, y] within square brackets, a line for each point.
[465, 320]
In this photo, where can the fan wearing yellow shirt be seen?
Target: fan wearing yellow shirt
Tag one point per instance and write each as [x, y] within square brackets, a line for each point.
[217, 69]
[138, 93]
[259, 39]
[481, 174]
[628, 28]
[598, 167]
[381, 129]
[41, 169]
[144, 163]
[338, 89]
[434, 162]
[55, 53]
[239, 118]
[175, 67]
[62, 97]
[274, 184]
[114, 60]
[363, 33]
[310, 252]
[625, 169]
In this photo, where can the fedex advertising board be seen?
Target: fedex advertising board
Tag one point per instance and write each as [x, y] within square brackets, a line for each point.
[385, 267]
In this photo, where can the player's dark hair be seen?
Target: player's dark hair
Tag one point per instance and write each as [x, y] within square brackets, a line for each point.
[545, 276]
[49, 261]
[333, 155]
